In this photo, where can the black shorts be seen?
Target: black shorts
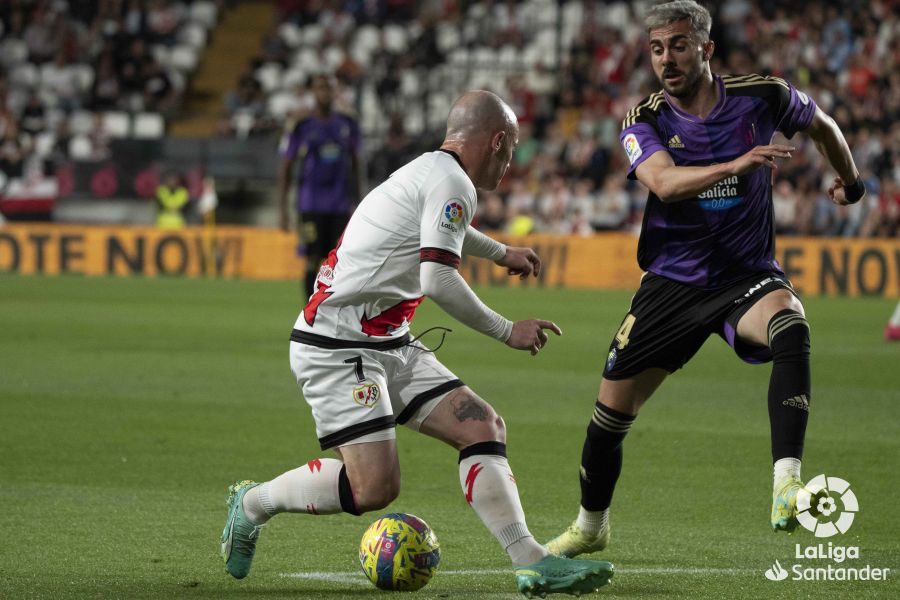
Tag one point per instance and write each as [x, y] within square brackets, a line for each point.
[319, 233]
[668, 322]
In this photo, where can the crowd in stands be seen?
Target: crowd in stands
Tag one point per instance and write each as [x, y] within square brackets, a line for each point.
[571, 70]
[76, 73]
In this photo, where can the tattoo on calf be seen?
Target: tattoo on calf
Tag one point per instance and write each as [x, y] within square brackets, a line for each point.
[469, 408]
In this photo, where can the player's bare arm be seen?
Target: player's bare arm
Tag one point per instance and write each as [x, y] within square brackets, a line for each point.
[847, 188]
[672, 183]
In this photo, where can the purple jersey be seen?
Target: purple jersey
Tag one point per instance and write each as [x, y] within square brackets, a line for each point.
[325, 147]
[728, 231]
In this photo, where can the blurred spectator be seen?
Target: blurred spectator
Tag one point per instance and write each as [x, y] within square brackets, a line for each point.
[106, 89]
[784, 202]
[613, 206]
[60, 79]
[397, 151]
[492, 215]
[13, 151]
[38, 35]
[33, 120]
[171, 197]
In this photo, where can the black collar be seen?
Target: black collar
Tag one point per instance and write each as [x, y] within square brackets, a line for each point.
[454, 155]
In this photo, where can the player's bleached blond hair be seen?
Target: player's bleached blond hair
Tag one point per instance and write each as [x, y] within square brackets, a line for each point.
[680, 10]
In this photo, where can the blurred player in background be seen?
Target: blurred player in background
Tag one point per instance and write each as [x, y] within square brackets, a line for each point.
[892, 331]
[361, 373]
[702, 147]
[327, 144]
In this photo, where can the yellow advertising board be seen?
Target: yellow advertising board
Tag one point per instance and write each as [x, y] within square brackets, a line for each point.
[816, 266]
[227, 251]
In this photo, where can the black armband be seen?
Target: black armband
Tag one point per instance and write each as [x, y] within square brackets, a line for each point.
[855, 191]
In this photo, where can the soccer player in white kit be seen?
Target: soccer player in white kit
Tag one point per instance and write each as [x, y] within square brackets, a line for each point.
[361, 373]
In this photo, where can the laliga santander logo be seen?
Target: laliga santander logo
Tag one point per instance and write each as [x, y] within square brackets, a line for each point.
[453, 212]
[817, 506]
[777, 572]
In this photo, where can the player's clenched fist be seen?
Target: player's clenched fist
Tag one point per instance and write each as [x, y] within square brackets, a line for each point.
[530, 334]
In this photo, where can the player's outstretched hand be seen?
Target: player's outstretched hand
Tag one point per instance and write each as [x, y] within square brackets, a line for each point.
[521, 261]
[530, 335]
[760, 156]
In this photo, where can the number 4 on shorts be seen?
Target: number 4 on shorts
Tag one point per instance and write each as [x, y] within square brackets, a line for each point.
[624, 330]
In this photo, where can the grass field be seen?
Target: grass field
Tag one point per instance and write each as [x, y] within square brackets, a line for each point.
[128, 405]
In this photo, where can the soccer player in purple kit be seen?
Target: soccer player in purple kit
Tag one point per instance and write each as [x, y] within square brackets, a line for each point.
[327, 142]
[702, 147]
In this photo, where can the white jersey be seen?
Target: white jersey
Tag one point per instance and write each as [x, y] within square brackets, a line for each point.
[368, 288]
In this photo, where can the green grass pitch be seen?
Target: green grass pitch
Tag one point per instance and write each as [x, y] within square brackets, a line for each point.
[128, 405]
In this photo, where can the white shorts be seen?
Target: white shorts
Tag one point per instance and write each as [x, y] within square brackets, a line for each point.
[359, 395]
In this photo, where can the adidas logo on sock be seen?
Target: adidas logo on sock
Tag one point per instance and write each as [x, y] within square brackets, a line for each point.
[675, 142]
[801, 402]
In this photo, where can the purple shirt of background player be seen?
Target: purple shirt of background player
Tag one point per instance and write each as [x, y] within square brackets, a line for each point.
[326, 146]
[727, 232]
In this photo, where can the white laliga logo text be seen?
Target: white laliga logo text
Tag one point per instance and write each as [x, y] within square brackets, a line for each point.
[827, 506]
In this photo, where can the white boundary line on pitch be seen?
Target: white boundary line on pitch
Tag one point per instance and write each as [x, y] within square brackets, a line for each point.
[356, 576]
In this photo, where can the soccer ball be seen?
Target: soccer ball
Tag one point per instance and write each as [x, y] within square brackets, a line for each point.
[399, 552]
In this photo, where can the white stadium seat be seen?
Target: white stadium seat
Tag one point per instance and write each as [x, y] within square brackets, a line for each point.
[184, 58]
[269, 77]
[25, 75]
[80, 147]
[280, 104]
[205, 13]
[290, 34]
[84, 75]
[13, 52]
[312, 35]
[117, 124]
[193, 35]
[81, 122]
[149, 126]
[395, 38]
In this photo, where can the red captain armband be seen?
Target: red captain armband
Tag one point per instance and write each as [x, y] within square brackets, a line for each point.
[439, 255]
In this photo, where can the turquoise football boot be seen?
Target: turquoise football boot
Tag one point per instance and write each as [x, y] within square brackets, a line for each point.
[240, 535]
[558, 575]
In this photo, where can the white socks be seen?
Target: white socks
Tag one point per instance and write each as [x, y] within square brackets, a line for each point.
[785, 467]
[489, 486]
[312, 488]
[592, 522]
[895, 318]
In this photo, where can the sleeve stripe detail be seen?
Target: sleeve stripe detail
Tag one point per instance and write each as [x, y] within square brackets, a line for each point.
[748, 80]
[732, 86]
[439, 255]
[651, 103]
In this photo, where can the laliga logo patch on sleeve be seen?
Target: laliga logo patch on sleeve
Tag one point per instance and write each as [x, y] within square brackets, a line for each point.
[632, 147]
[452, 216]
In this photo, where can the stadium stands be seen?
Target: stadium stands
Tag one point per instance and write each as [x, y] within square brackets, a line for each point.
[76, 76]
[571, 70]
